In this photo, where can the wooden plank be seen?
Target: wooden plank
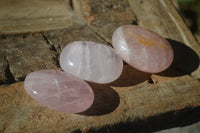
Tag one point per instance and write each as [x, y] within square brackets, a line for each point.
[104, 17]
[35, 51]
[162, 17]
[113, 105]
[23, 54]
[198, 37]
[36, 15]
[60, 38]
[135, 95]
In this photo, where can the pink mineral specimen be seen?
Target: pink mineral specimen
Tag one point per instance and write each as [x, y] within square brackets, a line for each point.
[91, 61]
[142, 48]
[59, 91]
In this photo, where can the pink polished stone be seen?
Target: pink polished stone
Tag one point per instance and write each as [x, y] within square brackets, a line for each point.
[91, 61]
[143, 49]
[59, 91]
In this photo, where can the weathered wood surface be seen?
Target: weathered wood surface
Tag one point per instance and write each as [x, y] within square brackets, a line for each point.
[26, 53]
[134, 96]
[104, 17]
[35, 15]
[20, 113]
[162, 17]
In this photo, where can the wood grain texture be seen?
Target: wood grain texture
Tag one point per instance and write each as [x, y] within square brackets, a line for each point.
[162, 17]
[60, 38]
[20, 113]
[135, 96]
[25, 53]
[3, 66]
[33, 16]
[104, 16]
[198, 37]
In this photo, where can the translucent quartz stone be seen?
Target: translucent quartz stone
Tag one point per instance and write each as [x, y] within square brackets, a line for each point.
[142, 49]
[59, 91]
[91, 61]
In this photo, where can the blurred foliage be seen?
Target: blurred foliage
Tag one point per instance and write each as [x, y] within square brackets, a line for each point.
[193, 5]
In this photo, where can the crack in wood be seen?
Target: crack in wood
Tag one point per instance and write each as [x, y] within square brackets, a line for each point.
[71, 4]
[99, 35]
[52, 48]
[164, 118]
[9, 76]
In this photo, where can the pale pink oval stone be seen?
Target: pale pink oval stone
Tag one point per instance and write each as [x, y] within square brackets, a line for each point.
[142, 48]
[91, 61]
[59, 91]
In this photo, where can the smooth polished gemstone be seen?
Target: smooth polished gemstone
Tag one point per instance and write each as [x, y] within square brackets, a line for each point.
[142, 48]
[59, 91]
[91, 61]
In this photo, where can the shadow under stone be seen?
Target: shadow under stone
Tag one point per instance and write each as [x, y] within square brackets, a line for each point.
[106, 100]
[130, 76]
[185, 60]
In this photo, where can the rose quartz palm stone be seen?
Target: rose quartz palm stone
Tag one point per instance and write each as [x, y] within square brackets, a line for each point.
[59, 91]
[142, 48]
[91, 61]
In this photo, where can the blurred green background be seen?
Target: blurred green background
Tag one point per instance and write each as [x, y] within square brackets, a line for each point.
[190, 10]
